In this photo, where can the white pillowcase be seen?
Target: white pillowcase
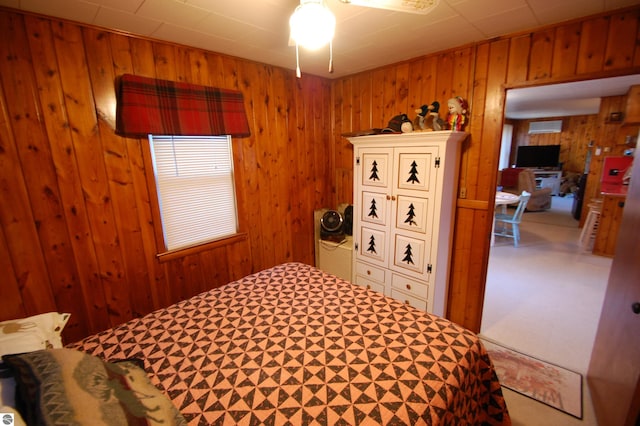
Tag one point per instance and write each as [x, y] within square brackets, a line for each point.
[32, 333]
[28, 335]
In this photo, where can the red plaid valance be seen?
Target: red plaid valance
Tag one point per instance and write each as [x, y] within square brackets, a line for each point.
[161, 107]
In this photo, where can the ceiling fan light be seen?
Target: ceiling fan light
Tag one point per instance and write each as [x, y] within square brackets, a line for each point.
[312, 25]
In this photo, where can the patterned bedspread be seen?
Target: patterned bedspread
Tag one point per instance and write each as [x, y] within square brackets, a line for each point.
[293, 345]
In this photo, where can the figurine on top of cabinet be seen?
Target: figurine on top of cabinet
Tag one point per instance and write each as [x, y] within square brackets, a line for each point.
[458, 110]
[399, 124]
[429, 117]
[418, 122]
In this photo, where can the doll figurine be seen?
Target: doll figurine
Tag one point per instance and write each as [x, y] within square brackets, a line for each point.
[457, 117]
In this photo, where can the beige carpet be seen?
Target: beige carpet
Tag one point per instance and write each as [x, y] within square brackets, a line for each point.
[544, 299]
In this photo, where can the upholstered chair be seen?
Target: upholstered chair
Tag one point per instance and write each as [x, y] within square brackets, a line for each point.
[516, 180]
[540, 198]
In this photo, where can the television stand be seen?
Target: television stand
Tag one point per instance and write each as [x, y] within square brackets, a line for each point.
[549, 179]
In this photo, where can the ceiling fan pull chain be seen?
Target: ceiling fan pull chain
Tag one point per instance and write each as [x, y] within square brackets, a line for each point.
[331, 57]
[298, 74]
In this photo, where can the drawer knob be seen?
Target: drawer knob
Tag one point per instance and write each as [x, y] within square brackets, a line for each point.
[407, 302]
[368, 286]
[368, 272]
[408, 286]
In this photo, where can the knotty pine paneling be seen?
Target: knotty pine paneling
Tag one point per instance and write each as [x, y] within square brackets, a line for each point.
[79, 221]
[595, 47]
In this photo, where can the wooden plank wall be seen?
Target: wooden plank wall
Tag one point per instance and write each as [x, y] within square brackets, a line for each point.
[599, 46]
[77, 220]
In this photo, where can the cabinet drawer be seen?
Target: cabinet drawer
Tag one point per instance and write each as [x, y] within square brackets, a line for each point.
[370, 272]
[372, 285]
[406, 285]
[409, 299]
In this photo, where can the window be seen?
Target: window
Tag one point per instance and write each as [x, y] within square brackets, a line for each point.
[196, 193]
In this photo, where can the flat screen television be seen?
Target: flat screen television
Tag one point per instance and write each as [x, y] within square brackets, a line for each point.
[538, 156]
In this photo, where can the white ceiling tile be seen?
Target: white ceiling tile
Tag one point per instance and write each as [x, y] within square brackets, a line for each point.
[188, 37]
[440, 13]
[257, 13]
[365, 37]
[67, 9]
[476, 10]
[345, 11]
[173, 11]
[232, 29]
[552, 11]
[439, 34]
[124, 21]
[265, 40]
[125, 5]
[506, 22]
[363, 29]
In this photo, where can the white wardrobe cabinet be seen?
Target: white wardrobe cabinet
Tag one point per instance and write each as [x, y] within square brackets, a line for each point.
[404, 193]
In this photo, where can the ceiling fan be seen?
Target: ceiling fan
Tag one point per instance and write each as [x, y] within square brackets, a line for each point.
[410, 6]
[313, 24]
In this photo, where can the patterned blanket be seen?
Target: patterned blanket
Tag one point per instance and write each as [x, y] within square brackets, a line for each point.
[294, 345]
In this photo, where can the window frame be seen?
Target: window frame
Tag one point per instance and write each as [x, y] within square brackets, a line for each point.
[163, 254]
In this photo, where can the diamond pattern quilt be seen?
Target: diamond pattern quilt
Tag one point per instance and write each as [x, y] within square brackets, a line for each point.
[292, 345]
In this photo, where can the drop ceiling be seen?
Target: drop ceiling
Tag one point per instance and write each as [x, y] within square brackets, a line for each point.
[366, 38]
[561, 100]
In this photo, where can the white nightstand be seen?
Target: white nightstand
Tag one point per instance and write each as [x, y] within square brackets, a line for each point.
[335, 258]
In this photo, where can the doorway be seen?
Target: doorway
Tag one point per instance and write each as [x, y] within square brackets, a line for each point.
[544, 297]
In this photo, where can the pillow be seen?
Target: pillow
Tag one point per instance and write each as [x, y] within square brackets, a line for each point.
[65, 386]
[32, 333]
[26, 335]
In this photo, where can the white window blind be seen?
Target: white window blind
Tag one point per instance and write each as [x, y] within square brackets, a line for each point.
[194, 179]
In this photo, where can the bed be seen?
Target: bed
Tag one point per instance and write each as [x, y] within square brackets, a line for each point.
[294, 345]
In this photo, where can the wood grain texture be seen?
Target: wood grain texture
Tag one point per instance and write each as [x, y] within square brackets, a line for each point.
[565, 51]
[21, 139]
[81, 233]
[542, 53]
[561, 53]
[609, 225]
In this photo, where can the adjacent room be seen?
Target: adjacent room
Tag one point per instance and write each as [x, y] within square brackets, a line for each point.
[549, 312]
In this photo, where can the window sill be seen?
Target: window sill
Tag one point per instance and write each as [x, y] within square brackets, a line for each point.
[210, 245]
